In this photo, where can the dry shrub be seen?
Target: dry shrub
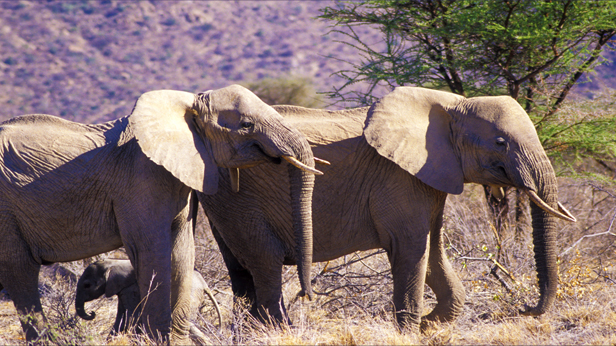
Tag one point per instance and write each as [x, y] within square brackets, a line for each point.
[292, 90]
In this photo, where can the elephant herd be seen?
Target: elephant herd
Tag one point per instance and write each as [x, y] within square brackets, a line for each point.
[71, 191]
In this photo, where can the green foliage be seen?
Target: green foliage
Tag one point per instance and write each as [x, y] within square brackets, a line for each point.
[582, 137]
[297, 91]
[476, 47]
[533, 50]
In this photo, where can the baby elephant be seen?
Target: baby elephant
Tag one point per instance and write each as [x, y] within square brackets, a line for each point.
[117, 277]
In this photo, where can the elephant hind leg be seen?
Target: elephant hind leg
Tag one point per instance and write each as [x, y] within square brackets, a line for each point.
[21, 283]
[19, 276]
[444, 282]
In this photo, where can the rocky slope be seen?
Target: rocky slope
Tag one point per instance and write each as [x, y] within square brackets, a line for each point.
[89, 61]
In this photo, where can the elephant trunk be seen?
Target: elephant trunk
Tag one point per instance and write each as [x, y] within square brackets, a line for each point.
[301, 188]
[544, 239]
[80, 301]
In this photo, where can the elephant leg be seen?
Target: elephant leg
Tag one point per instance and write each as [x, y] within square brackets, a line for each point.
[409, 272]
[182, 264]
[160, 247]
[443, 281]
[270, 303]
[121, 321]
[151, 261]
[263, 259]
[242, 283]
[19, 276]
[23, 289]
[403, 215]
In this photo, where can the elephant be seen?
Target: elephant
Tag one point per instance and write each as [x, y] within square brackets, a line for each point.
[392, 166]
[117, 277]
[71, 191]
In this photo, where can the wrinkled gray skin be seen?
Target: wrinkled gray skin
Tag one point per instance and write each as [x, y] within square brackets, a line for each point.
[392, 167]
[71, 191]
[117, 277]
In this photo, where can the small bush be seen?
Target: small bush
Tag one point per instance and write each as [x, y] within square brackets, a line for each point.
[297, 91]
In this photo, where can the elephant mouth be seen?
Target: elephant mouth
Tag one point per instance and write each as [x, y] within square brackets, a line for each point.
[250, 155]
[257, 146]
[496, 174]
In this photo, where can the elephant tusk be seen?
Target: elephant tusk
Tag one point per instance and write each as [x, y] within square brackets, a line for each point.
[321, 161]
[497, 192]
[539, 202]
[564, 210]
[295, 162]
[234, 174]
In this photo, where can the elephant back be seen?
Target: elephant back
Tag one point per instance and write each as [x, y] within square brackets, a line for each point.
[322, 127]
[34, 145]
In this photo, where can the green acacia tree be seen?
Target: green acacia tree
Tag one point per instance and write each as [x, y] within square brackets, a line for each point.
[533, 50]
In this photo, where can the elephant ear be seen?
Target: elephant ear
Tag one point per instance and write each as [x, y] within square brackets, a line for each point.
[411, 127]
[163, 123]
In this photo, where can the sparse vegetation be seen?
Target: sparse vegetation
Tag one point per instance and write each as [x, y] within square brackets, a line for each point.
[297, 91]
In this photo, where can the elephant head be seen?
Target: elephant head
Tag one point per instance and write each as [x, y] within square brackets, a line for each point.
[107, 277]
[446, 140]
[232, 128]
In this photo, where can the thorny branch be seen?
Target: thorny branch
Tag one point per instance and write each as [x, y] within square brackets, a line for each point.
[609, 229]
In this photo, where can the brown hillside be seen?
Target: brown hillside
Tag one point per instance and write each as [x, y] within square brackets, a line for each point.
[89, 61]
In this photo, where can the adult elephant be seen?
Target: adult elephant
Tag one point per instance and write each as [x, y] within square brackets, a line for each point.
[392, 167]
[71, 191]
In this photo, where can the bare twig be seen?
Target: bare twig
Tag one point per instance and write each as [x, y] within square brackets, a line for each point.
[607, 232]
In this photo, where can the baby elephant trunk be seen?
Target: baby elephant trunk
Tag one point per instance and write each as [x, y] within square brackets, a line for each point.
[80, 300]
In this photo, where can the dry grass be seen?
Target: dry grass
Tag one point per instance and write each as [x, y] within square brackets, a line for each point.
[353, 302]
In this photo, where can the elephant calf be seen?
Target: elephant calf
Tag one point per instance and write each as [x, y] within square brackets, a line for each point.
[117, 277]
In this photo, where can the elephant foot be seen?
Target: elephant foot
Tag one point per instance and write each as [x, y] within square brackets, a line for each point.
[438, 315]
[273, 321]
[407, 322]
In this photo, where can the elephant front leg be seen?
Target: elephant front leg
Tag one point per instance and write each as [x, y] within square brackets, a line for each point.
[409, 274]
[444, 282]
[182, 264]
[23, 289]
[242, 284]
[153, 272]
[270, 302]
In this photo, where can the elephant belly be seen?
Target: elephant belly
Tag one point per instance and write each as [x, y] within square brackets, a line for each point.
[63, 244]
[68, 231]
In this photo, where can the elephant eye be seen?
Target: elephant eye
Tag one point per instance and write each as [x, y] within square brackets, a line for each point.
[500, 141]
[247, 125]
